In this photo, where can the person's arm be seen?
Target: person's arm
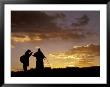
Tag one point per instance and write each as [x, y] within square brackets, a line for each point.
[30, 54]
[44, 56]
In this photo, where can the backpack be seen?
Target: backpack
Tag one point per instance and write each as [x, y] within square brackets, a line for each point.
[22, 58]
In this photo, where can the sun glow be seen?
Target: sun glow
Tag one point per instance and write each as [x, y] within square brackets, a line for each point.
[77, 59]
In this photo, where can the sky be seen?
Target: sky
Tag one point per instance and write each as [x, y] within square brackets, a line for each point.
[67, 38]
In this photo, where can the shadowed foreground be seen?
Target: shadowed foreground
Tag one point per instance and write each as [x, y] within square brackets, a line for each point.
[60, 72]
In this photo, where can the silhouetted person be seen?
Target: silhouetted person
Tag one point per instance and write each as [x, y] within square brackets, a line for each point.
[25, 59]
[39, 60]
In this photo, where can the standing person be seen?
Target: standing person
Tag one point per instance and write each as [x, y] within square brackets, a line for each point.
[39, 60]
[25, 59]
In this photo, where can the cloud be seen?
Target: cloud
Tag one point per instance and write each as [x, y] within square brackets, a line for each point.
[89, 49]
[32, 21]
[21, 39]
[30, 26]
[56, 14]
[25, 37]
[60, 15]
[82, 21]
[28, 37]
[79, 56]
[41, 21]
[62, 35]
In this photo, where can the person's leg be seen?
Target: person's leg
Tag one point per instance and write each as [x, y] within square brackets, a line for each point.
[42, 65]
[25, 67]
[36, 64]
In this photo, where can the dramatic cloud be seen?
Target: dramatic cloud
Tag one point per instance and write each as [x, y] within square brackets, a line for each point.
[27, 26]
[56, 32]
[89, 49]
[63, 35]
[25, 37]
[34, 21]
[80, 55]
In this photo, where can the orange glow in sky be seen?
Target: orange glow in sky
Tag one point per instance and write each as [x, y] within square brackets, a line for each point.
[67, 38]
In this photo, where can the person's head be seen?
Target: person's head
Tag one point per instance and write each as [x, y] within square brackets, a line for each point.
[28, 51]
[39, 49]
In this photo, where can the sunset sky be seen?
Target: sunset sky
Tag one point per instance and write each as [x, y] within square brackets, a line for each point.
[67, 38]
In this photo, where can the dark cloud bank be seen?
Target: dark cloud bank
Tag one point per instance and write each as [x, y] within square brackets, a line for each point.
[37, 23]
[32, 21]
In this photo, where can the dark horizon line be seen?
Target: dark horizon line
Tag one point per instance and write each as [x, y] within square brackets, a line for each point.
[58, 68]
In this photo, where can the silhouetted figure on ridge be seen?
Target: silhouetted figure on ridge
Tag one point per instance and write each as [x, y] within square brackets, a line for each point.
[25, 59]
[39, 60]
